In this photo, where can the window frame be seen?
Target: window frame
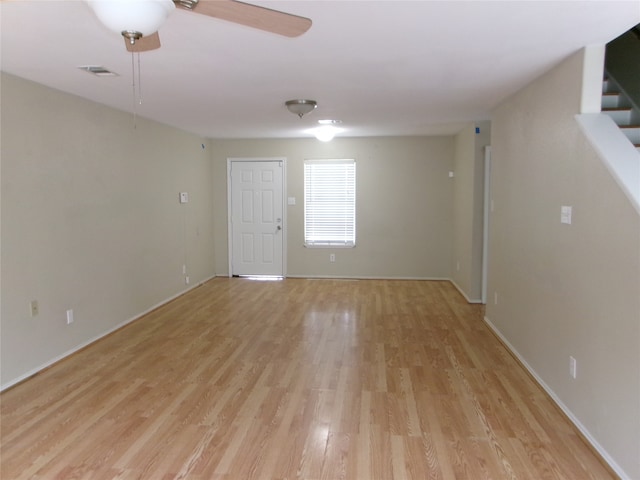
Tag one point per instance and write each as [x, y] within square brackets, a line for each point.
[348, 199]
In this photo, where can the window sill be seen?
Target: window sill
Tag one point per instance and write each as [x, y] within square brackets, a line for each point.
[337, 245]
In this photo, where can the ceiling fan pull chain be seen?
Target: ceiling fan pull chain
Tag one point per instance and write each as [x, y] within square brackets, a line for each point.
[139, 81]
[133, 90]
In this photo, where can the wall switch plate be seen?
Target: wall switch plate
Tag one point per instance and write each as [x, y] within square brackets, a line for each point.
[184, 197]
[69, 316]
[573, 367]
[34, 308]
[186, 280]
[332, 257]
[291, 200]
[565, 214]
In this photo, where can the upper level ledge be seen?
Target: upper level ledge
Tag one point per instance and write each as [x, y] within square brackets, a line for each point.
[618, 154]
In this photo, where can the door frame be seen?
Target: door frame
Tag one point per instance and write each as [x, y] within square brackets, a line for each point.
[230, 161]
[486, 214]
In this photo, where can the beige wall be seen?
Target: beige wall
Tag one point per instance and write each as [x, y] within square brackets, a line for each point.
[463, 209]
[567, 290]
[467, 217]
[91, 220]
[403, 205]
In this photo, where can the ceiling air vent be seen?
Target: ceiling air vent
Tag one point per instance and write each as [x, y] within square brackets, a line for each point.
[98, 71]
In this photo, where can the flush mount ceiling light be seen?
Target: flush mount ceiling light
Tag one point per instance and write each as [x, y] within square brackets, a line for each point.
[134, 19]
[300, 107]
[327, 130]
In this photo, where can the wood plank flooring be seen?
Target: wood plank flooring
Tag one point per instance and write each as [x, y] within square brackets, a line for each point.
[296, 379]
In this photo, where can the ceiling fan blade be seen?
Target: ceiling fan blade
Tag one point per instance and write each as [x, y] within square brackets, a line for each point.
[144, 44]
[253, 16]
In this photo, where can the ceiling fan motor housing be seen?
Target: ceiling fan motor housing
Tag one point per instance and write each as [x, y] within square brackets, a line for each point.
[188, 4]
[142, 17]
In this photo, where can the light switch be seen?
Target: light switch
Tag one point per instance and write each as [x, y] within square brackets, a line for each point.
[565, 214]
[184, 197]
[291, 201]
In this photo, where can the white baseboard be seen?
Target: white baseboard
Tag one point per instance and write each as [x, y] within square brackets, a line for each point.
[58, 358]
[572, 418]
[363, 277]
[463, 293]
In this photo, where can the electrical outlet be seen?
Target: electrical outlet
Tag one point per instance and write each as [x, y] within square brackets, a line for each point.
[34, 308]
[332, 257]
[69, 316]
[573, 367]
[186, 280]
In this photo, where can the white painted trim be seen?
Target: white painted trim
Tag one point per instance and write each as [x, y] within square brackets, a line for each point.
[364, 277]
[583, 430]
[229, 226]
[360, 277]
[462, 292]
[230, 160]
[55, 360]
[616, 152]
[592, 68]
[486, 213]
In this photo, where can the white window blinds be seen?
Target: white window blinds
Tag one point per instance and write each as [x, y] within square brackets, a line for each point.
[330, 203]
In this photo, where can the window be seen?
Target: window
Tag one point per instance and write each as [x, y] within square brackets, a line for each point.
[330, 203]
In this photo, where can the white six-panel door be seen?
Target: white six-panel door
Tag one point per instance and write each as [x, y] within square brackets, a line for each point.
[256, 217]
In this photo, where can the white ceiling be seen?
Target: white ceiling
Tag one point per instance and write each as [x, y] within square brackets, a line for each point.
[382, 67]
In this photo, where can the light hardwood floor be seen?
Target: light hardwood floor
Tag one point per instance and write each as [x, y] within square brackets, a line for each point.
[297, 379]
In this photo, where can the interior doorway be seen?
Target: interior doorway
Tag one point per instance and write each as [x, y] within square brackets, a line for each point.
[256, 220]
[485, 221]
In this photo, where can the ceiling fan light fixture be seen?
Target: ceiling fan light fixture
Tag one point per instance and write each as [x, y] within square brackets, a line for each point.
[132, 18]
[301, 107]
[326, 131]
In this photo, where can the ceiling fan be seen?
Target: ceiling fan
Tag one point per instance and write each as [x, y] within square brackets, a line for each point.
[122, 16]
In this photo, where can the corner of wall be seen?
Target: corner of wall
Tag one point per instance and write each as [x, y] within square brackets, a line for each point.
[592, 72]
[566, 289]
[616, 152]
